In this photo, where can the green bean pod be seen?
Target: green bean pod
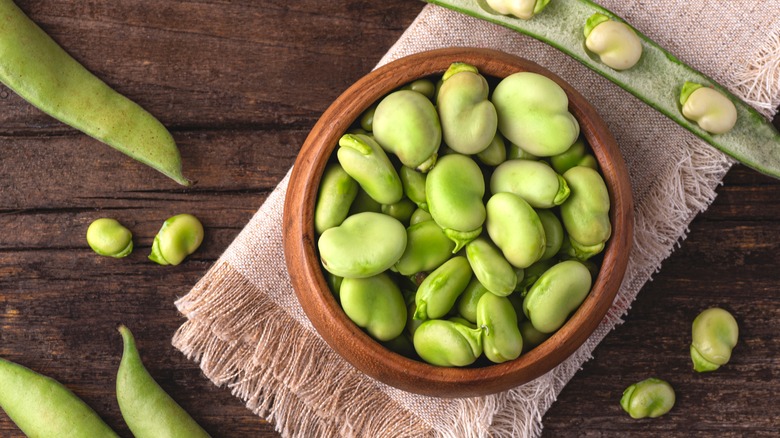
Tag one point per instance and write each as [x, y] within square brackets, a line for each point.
[586, 213]
[335, 197]
[42, 407]
[375, 304]
[179, 236]
[364, 245]
[438, 292]
[447, 343]
[41, 72]
[406, 123]
[467, 302]
[454, 189]
[427, 248]
[468, 118]
[534, 181]
[365, 161]
[515, 227]
[146, 408]
[501, 338]
[490, 267]
[649, 398]
[714, 334]
[556, 294]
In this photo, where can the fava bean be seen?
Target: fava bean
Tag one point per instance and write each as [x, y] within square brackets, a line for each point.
[367, 119]
[447, 344]
[501, 338]
[649, 398]
[556, 294]
[364, 245]
[532, 273]
[553, 233]
[375, 304]
[715, 334]
[364, 203]
[423, 86]
[515, 227]
[401, 210]
[467, 302]
[531, 337]
[534, 181]
[468, 118]
[495, 153]
[427, 248]
[616, 44]
[406, 123]
[709, 108]
[524, 9]
[533, 113]
[334, 283]
[515, 152]
[454, 189]
[336, 194]
[490, 267]
[109, 238]
[146, 408]
[178, 237]
[414, 186]
[402, 345]
[439, 291]
[420, 215]
[576, 155]
[586, 213]
[365, 161]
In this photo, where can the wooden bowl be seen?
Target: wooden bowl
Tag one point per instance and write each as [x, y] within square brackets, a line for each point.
[349, 340]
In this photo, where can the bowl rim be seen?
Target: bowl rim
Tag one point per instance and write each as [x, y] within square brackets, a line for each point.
[351, 342]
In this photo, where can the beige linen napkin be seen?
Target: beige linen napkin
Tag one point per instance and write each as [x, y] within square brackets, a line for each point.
[246, 329]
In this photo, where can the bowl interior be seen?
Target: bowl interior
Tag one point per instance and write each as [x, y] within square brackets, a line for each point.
[360, 349]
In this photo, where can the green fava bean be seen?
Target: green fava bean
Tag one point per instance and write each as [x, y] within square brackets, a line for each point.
[454, 189]
[420, 215]
[146, 408]
[523, 9]
[447, 343]
[401, 210]
[586, 213]
[468, 118]
[649, 398]
[515, 227]
[490, 267]
[365, 161]
[534, 181]
[501, 338]
[364, 203]
[406, 123]
[438, 292]
[42, 407]
[533, 113]
[414, 186]
[109, 238]
[402, 345]
[427, 248]
[467, 303]
[715, 334]
[531, 337]
[515, 152]
[576, 155]
[335, 197]
[532, 273]
[179, 236]
[334, 283]
[495, 153]
[375, 304]
[556, 294]
[553, 233]
[423, 86]
[367, 119]
[364, 245]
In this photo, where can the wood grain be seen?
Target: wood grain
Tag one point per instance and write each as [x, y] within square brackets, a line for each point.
[240, 84]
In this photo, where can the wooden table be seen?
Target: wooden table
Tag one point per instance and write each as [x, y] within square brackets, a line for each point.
[239, 84]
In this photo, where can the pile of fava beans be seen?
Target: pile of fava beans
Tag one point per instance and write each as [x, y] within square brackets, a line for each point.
[462, 218]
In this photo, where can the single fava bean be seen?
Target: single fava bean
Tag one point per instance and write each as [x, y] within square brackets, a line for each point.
[515, 227]
[179, 236]
[109, 238]
[406, 123]
[523, 9]
[423, 86]
[709, 108]
[532, 337]
[420, 215]
[367, 119]
[402, 345]
[515, 152]
[467, 302]
[490, 267]
[447, 343]
[427, 248]
[534, 181]
[553, 233]
[501, 338]
[532, 273]
[414, 186]
[335, 197]
[401, 210]
[556, 294]
[715, 334]
[438, 292]
[468, 118]
[649, 398]
[363, 203]
[576, 155]
[364, 245]
[533, 113]
[454, 189]
[495, 153]
[365, 161]
[586, 213]
[615, 42]
[374, 304]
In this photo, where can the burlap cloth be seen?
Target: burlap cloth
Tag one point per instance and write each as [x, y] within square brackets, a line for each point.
[246, 329]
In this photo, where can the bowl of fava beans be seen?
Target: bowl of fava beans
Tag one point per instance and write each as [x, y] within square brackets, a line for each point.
[458, 222]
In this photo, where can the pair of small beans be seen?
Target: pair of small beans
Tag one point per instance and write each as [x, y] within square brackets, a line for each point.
[179, 237]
